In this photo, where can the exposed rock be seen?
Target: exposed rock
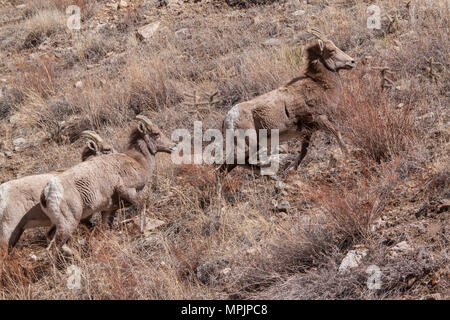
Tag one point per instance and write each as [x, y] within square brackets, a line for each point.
[280, 186]
[272, 42]
[123, 4]
[225, 271]
[19, 144]
[352, 259]
[399, 248]
[8, 154]
[171, 3]
[149, 224]
[147, 31]
[298, 13]
[282, 206]
[183, 33]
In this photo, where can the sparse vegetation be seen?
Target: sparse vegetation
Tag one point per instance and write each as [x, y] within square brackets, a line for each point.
[232, 240]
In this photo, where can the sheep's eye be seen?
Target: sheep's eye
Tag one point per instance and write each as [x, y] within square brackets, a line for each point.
[332, 51]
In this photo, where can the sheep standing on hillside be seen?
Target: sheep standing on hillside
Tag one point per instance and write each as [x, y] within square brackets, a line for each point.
[296, 109]
[101, 183]
[19, 199]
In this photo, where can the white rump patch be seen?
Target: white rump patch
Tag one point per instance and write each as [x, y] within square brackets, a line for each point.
[53, 193]
[3, 198]
[232, 117]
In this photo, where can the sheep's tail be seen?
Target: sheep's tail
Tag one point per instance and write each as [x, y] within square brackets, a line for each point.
[51, 197]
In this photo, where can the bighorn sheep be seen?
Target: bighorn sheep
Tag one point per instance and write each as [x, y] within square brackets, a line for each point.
[19, 199]
[102, 182]
[296, 109]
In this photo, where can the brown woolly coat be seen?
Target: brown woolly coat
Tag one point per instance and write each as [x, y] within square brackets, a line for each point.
[293, 108]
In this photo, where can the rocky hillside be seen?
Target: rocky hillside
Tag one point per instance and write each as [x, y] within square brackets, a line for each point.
[374, 225]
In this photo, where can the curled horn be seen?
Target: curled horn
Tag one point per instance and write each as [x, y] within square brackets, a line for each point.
[145, 120]
[317, 34]
[92, 135]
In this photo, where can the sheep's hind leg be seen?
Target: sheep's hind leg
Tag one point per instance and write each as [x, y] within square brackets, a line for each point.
[63, 232]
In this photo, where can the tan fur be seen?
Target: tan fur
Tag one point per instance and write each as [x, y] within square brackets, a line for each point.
[19, 201]
[297, 109]
[101, 183]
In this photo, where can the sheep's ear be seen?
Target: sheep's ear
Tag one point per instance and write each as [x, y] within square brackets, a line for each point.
[92, 145]
[142, 129]
[320, 45]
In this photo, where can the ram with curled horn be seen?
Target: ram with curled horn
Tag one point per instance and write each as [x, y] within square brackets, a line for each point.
[297, 109]
[19, 198]
[103, 183]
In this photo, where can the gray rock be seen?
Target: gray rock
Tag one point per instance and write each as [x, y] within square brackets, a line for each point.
[283, 206]
[148, 30]
[352, 259]
[272, 42]
[399, 248]
[280, 186]
[183, 33]
[19, 141]
[298, 13]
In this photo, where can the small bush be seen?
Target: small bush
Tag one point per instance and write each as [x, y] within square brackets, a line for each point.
[43, 24]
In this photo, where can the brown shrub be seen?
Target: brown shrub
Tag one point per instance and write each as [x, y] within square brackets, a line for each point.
[368, 118]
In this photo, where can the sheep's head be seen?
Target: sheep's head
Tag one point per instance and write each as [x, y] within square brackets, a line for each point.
[154, 138]
[334, 58]
[95, 145]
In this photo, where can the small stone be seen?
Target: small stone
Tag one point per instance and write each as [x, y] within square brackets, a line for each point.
[280, 186]
[149, 224]
[183, 33]
[114, 6]
[123, 4]
[299, 13]
[225, 271]
[283, 206]
[147, 31]
[401, 247]
[79, 84]
[272, 42]
[8, 154]
[19, 141]
[352, 259]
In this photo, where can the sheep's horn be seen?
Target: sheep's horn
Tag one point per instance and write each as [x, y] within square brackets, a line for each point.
[145, 120]
[92, 135]
[317, 34]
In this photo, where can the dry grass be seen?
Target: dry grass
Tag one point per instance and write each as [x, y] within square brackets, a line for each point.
[228, 241]
[43, 24]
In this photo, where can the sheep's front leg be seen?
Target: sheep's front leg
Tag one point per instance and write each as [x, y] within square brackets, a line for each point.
[128, 194]
[300, 155]
[328, 126]
[108, 218]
